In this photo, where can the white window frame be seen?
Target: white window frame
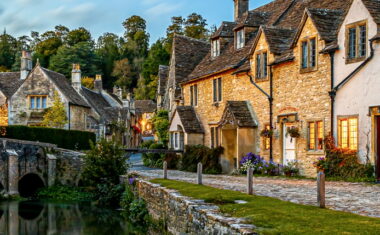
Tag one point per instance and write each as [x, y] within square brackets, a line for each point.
[215, 47]
[240, 39]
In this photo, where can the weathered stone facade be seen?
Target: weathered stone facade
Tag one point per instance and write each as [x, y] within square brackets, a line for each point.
[185, 215]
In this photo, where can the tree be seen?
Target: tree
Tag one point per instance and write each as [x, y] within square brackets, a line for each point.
[46, 48]
[195, 26]
[122, 70]
[78, 35]
[88, 82]
[161, 126]
[81, 53]
[8, 48]
[55, 116]
[137, 39]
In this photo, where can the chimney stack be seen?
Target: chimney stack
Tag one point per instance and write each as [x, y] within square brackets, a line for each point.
[76, 77]
[241, 7]
[98, 83]
[26, 64]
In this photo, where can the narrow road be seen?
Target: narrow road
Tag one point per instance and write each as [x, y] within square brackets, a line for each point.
[358, 198]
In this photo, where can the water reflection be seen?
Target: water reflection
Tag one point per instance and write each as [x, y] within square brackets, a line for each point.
[34, 218]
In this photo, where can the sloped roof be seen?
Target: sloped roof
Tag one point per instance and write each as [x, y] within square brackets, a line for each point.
[65, 87]
[253, 19]
[97, 102]
[327, 22]
[163, 74]
[240, 112]
[225, 30]
[189, 119]
[373, 7]
[10, 82]
[188, 52]
[145, 106]
[278, 39]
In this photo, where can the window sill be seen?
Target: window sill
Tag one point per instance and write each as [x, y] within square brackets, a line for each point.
[216, 104]
[265, 79]
[355, 60]
[308, 70]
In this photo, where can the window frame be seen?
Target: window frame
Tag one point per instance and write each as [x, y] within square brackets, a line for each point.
[311, 54]
[215, 47]
[316, 133]
[240, 39]
[37, 101]
[348, 118]
[357, 26]
[194, 95]
[217, 90]
[214, 137]
[262, 74]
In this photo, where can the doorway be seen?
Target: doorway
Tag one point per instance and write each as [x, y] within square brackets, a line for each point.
[377, 148]
[289, 144]
[229, 143]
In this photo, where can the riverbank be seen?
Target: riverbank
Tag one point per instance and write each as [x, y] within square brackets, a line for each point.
[273, 216]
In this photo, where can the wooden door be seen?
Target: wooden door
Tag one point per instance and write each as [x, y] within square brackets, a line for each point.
[289, 145]
[378, 148]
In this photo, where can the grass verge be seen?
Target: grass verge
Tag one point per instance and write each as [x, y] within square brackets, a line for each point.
[273, 216]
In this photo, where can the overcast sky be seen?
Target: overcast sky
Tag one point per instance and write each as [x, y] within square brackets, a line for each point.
[20, 17]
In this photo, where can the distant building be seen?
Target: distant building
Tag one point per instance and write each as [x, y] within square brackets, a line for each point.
[145, 111]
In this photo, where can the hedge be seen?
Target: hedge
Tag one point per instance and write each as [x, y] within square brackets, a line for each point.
[67, 139]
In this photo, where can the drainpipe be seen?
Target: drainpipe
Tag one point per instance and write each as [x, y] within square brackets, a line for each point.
[332, 93]
[69, 116]
[270, 99]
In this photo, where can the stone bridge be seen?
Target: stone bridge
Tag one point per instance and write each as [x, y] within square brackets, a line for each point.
[27, 166]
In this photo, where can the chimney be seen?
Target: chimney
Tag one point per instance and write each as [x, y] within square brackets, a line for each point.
[76, 77]
[26, 64]
[98, 83]
[241, 7]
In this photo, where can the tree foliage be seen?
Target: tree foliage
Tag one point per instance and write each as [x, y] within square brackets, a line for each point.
[161, 126]
[55, 116]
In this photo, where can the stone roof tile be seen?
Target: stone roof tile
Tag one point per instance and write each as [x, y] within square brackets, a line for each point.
[9, 83]
[189, 119]
[145, 106]
[163, 74]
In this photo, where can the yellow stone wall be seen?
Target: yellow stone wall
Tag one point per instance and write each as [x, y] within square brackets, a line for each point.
[294, 92]
[4, 115]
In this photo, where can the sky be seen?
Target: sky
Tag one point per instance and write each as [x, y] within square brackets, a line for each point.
[20, 17]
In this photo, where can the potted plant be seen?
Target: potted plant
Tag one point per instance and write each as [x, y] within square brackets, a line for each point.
[266, 133]
[291, 168]
[293, 132]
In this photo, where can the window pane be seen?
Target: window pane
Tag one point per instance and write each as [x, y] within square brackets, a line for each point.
[312, 53]
[214, 90]
[44, 102]
[216, 137]
[258, 66]
[352, 43]
[312, 135]
[353, 126]
[320, 135]
[212, 137]
[304, 55]
[32, 106]
[265, 65]
[344, 133]
[195, 95]
[219, 89]
[38, 102]
[363, 41]
[191, 95]
[176, 140]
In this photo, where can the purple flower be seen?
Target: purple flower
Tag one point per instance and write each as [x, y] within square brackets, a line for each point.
[131, 180]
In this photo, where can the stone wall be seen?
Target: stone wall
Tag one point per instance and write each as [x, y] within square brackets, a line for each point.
[184, 215]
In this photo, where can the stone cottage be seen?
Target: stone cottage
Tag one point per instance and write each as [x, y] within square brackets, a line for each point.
[145, 111]
[271, 69]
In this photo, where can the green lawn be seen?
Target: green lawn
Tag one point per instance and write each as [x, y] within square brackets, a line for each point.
[274, 216]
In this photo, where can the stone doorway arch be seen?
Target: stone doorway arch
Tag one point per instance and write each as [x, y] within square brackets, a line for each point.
[29, 184]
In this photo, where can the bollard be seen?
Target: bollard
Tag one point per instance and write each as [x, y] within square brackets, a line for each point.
[250, 181]
[321, 190]
[199, 173]
[165, 170]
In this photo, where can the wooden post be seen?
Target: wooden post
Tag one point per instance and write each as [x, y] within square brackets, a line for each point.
[165, 170]
[199, 173]
[321, 190]
[250, 181]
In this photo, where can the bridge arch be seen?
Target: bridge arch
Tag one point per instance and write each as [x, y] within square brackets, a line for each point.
[30, 211]
[29, 184]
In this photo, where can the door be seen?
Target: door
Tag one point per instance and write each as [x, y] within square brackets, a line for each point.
[378, 148]
[289, 145]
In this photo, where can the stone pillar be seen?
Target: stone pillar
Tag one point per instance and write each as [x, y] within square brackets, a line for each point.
[199, 173]
[13, 172]
[13, 218]
[52, 166]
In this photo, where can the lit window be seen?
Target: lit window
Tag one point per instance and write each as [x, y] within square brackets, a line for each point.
[316, 135]
[357, 41]
[215, 47]
[194, 95]
[348, 133]
[261, 65]
[240, 39]
[308, 59]
[37, 102]
[217, 90]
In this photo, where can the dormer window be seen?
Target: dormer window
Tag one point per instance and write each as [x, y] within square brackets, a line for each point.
[240, 39]
[261, 66]
[215, 50]
[308, 54]
[356, 42]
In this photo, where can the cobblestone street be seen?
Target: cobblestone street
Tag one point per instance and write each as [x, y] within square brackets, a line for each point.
[358, 198]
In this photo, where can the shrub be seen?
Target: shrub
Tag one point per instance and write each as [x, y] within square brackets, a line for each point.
[108, 194]
[161, 126]
[291, 168]
[104, 163]
[64, 193]
[207, 156]
[154, 159]
[67, 139]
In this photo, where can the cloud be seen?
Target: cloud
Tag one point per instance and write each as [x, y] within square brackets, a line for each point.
[78, 14]
[163, 9]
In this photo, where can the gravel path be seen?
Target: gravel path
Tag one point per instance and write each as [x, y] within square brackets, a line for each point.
[358, 198]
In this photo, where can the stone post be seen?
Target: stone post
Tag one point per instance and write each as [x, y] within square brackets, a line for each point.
[13, 221]
[52, 168]
[321, 190]
[13, 172]
[250, 181]
[199, 173]
[165, 170]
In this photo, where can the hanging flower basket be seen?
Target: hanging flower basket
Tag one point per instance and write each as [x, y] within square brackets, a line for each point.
[266, 133]
[293, 132]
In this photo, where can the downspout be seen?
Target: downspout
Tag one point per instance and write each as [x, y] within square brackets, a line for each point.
[270, 99]
[69, 116]
[332, 93]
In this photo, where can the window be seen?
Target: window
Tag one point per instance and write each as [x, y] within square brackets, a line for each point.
[194, 95]
[240, 39]
[356, 36]
[176, 140]
[267, 140]
[348, 133]
[316, 135]
[261, 65]
[309, 56]
[214, 137]
[37, 102]
[217, 90]
[215, 47]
